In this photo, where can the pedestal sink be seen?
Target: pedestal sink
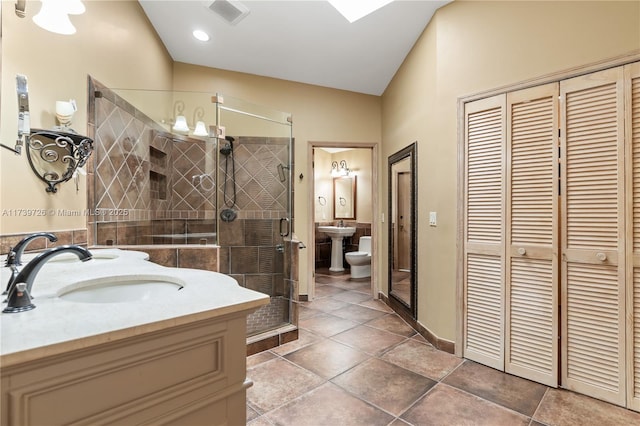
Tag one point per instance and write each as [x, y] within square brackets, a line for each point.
[337, 233]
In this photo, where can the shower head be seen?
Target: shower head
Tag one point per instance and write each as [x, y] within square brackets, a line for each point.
[228, 147]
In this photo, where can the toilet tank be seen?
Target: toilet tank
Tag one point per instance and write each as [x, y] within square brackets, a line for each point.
[365, 244]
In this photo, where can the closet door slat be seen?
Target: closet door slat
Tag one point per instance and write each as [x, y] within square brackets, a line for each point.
[484, 234]
[532, 234]
[632, 135]
[593, 226]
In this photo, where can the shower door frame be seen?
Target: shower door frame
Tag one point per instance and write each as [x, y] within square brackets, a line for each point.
[284, 242]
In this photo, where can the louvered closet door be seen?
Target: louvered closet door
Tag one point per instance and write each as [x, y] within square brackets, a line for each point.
[484, 234]
[531, 340]
[632, 135]
[593, 277]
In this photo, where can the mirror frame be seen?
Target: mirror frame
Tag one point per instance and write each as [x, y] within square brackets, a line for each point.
[396, 302]
[353, 197]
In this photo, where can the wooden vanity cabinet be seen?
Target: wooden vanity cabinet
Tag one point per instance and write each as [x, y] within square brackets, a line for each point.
[191, 374]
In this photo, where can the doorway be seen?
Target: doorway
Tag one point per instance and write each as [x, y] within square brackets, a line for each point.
[322, 209]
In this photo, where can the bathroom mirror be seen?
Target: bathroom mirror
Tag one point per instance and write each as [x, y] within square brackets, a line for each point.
[344, 197]
[402, 230]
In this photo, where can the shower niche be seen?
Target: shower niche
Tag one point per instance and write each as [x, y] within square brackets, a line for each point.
[220, 201]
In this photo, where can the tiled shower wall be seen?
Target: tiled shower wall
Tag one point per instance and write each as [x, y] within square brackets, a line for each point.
[154, 186]
[251, 248]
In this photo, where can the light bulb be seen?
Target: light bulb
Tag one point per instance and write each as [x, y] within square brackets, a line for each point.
[201, 129]
[181, 124]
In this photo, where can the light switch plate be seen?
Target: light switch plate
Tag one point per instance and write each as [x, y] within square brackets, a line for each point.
[433, 219]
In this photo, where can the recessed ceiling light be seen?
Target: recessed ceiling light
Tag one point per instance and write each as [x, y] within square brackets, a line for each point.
[354, 10]
[201, 35]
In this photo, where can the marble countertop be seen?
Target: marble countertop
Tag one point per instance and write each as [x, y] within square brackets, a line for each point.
[56, 325]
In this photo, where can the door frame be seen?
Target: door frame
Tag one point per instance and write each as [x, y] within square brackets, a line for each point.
[375, 232]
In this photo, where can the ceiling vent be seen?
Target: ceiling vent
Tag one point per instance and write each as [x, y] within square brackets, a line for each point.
[231, 11]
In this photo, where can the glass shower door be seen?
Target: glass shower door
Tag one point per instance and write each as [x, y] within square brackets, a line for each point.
[254, 201]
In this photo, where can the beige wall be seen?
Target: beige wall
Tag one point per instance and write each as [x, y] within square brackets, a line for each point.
[115, 44]
[359, 162]
[470, 47]
[323, 186]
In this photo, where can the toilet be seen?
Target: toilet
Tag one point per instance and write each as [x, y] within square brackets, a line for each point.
[360, 260]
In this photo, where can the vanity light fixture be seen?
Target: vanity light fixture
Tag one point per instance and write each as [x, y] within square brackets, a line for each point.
[180, 125]
[339, 169]
[201, 128]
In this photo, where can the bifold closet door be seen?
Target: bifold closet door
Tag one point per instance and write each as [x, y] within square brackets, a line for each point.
[632, 135]
[593, 235]
[531, 339]
[484, 231]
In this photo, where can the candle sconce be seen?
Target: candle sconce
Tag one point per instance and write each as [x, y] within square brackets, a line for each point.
[54, 156]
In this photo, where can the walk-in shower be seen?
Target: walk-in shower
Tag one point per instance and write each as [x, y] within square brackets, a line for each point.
[221, 201]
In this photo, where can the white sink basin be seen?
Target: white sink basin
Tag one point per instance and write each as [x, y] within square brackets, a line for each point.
[72, 258]
[337, 231]
[135, 288]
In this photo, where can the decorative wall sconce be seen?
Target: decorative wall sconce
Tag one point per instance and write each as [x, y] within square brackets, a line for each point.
[340, 169]
[54, 156]
[181, 126]
[54, 14]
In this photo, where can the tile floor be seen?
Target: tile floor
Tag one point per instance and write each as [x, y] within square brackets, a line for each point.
[357, 363]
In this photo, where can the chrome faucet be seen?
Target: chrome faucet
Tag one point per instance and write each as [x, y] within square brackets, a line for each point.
[14, 257]
[22, 245]
[19, 298]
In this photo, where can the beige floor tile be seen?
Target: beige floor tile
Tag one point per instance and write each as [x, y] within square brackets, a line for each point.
[368, 339]
[357, 313]
[444, 405]
[329, 405]
[327, 325]
[327, 358]
[513, 392]
[385, 385]
[561, 407]
[393, 324]
[305, 338]
[423, 359]
[277, 382]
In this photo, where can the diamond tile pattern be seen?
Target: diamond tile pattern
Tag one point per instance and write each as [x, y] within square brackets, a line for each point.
[258, 186]
[123, 166]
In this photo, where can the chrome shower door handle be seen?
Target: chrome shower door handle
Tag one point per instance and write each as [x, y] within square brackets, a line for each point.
[284, 220]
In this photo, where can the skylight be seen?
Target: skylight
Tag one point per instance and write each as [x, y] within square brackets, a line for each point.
[356, 9]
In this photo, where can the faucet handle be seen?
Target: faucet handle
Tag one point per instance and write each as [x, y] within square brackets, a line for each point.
[19, 299]
[11, 257]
